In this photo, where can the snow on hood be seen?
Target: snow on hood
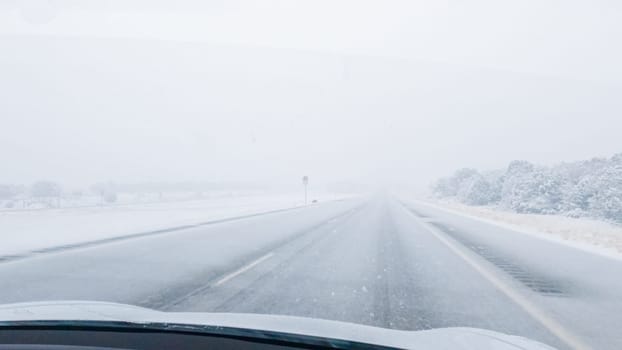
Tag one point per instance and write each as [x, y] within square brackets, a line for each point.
[437, 339]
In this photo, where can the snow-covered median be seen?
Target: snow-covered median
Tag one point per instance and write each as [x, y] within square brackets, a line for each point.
[23, 231]
[588, 234]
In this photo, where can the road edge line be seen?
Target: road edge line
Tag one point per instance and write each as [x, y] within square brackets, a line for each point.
[41, 252]
[549, 323]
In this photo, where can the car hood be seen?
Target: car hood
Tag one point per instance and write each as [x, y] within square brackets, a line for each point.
[83, 311]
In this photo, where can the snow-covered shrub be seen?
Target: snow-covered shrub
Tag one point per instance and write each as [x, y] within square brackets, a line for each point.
[516, 188]
[43, 189]
[468, 186]
[587, 188]
[475, 190]
[7, 191]
[606, 199]
[450, 186]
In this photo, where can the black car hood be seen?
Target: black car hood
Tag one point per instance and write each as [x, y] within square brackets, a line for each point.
[81, 311]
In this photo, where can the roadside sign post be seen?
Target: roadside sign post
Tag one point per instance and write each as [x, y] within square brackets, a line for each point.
[305, 181]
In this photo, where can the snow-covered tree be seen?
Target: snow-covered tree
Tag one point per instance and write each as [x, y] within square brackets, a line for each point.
[45, 189]
[47, 193]
[545, 194]
[441, 188]
[106, 190]
[586, 188]
[475, 190]
[606, 198]
[528, 189]
[6, 191]
[449, 187]
[515, 189]
[468, 186]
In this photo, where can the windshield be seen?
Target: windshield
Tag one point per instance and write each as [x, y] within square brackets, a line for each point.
[409, 165]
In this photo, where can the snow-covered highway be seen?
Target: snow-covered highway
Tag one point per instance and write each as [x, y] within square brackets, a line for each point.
[380, 261]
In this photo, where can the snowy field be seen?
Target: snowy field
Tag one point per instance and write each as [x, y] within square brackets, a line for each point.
[588, 234]
[89, 199]
[22, 231]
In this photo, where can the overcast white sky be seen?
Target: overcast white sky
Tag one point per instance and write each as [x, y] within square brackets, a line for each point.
[370, 91]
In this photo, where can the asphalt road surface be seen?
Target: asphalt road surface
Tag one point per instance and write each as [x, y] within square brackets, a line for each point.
[378, 261]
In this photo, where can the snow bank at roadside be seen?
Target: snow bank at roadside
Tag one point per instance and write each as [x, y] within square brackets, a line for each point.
[589, 234]
[27, 230]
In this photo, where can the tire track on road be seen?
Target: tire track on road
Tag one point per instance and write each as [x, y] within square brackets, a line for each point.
[179, 294]
[472, 259]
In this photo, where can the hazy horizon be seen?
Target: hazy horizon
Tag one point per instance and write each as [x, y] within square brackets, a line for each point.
[221, 93]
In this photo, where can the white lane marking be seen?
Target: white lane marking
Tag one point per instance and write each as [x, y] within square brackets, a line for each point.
[549, 323]
[243, 269]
